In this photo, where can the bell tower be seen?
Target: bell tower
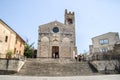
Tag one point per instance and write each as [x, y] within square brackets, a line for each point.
[69, 18]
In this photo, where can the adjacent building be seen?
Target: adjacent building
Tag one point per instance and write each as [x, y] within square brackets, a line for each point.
[56, 39]
[117, 47]
[10, 40]
[104, 42]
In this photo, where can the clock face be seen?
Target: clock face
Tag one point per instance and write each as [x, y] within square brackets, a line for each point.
[55, 29]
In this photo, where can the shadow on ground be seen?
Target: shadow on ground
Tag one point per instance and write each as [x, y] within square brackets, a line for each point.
[5, 72]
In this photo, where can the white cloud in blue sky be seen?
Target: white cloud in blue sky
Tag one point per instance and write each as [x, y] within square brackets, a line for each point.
[92, 17]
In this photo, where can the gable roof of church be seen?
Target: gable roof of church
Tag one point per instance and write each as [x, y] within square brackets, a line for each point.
[52, 23]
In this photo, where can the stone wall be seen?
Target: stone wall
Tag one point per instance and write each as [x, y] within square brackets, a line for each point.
[58, 38]
[107, 65]
[11, 64]
[64, 40]
[117, 49]
[65, 51]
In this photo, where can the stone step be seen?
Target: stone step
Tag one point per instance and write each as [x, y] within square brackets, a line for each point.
[52, 60]
[55, 68]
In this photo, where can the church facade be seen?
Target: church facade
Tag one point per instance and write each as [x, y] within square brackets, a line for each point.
[58, 40]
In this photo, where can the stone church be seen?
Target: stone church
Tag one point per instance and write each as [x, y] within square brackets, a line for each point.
[56, 39]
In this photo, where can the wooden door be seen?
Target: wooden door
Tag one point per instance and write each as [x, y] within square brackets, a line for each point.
[55, 52]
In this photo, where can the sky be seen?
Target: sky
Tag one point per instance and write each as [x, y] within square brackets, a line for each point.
[92, 17]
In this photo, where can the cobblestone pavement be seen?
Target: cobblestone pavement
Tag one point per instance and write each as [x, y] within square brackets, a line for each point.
[100, 77]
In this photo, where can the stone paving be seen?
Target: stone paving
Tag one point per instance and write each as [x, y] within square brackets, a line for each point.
[98, 77]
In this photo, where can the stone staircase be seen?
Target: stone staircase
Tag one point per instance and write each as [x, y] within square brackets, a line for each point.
[55, 67]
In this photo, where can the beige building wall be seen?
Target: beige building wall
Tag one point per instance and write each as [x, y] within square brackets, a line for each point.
[19, 46]
[108, 40]
[8, 40]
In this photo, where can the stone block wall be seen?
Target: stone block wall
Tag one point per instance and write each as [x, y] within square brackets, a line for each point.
[11, 64]
[65, 51]
[109, 65]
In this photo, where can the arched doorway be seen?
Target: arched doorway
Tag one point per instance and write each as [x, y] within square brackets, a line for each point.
[55, 51]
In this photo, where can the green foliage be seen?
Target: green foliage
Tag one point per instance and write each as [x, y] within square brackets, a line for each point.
[28, 49]
[9, 54]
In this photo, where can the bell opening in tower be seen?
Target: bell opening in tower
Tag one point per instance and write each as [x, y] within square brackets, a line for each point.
[70, 21]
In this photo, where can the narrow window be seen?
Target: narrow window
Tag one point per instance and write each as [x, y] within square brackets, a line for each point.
[15, 51]
[21, 44]
[16, 40]
[6, 38]
[20, 52]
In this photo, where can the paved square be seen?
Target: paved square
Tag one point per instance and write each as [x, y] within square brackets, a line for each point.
[100, 77]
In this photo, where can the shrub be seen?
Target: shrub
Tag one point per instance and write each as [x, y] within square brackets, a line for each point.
[9, 54]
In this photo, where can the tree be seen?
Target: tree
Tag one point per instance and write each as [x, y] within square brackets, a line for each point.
[28, 49]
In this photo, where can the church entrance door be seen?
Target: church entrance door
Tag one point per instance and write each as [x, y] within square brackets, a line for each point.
[55, 52]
